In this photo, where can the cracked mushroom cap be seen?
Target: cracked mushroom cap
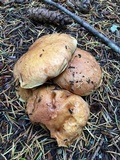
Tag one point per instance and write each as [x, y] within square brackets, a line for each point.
[45, 59]
[63, 113]
[83, 74]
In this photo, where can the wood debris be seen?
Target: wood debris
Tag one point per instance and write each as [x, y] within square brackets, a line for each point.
[81, 6]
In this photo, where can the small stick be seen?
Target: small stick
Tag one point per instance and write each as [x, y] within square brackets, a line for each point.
[106, 40]
[97, 150]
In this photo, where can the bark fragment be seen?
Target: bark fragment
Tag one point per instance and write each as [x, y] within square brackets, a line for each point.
[81, 6]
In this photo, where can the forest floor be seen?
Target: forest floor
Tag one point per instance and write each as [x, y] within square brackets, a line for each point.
[21, 140]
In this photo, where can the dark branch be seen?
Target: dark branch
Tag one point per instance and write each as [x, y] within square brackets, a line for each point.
[104, 39]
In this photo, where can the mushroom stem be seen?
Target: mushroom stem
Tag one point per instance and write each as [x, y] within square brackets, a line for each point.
[86, 25]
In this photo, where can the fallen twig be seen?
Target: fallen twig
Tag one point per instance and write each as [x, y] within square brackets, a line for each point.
[97, 150]
[106, 40]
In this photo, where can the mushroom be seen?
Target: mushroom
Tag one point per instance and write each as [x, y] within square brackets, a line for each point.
[63, 113]
[23, 94]
[83, 74]
[46, 58]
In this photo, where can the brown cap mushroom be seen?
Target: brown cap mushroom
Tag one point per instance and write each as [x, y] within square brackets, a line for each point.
[45, 59]
[63, 113]
[23, 94]
[83, 74]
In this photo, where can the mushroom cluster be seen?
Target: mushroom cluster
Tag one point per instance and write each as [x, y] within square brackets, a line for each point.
[71, 73]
